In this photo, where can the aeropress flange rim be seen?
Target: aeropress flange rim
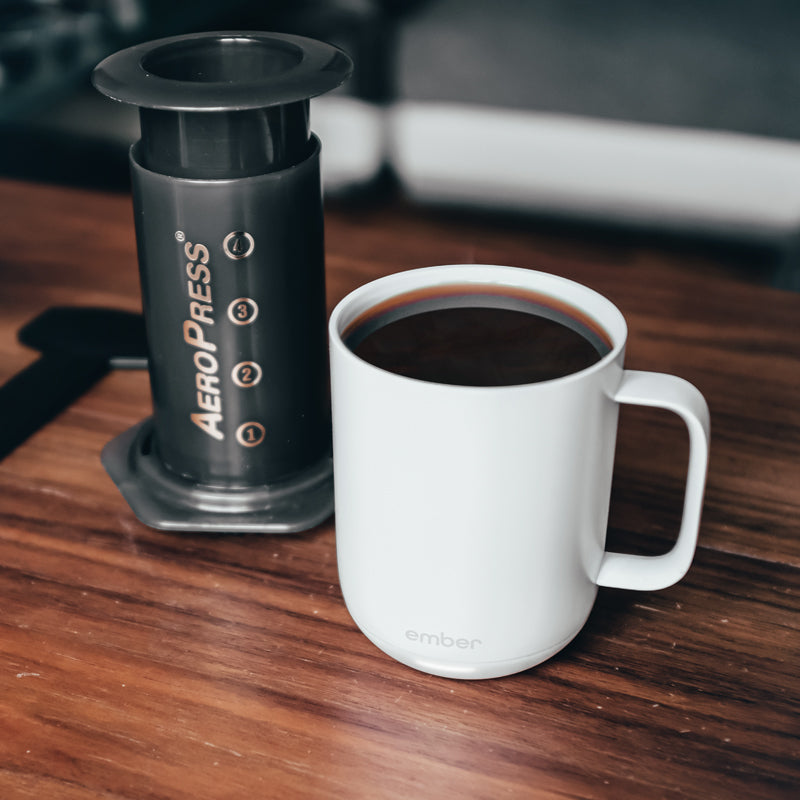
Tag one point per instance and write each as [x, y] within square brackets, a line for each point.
[172, 73]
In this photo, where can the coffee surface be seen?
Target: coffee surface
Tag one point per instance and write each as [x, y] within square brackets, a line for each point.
[477, 346]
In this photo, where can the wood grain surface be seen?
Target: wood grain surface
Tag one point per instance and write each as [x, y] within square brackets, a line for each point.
[141, 664]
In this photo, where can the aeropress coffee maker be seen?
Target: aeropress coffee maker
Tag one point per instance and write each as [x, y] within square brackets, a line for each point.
[229, 231]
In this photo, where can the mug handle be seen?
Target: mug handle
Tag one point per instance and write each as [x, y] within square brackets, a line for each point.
[657, 390]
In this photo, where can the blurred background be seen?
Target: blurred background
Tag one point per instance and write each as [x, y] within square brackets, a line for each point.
[678, 120]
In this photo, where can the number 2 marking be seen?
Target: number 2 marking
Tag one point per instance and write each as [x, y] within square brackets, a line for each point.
[246, 374]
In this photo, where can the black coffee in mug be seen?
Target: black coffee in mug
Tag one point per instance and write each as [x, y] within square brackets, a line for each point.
[477, 336]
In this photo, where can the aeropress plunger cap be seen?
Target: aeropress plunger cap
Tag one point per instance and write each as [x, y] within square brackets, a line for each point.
[229, 230]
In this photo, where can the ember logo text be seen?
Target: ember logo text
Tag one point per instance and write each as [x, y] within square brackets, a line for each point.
[442, 640]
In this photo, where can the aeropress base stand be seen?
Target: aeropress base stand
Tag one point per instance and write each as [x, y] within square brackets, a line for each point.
[162, 499]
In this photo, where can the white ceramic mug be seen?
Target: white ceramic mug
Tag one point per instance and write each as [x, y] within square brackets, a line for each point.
[471, 521]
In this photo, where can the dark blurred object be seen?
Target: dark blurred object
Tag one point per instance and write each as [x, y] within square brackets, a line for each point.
[52, 127]
[47, 46]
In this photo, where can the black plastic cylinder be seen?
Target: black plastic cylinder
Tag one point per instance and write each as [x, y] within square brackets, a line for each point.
[229, 230]
[233, 288]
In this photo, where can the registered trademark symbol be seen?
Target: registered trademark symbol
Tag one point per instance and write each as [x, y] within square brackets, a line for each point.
[180, 236]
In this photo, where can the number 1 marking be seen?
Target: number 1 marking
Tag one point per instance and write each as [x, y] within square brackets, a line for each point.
[250, 434]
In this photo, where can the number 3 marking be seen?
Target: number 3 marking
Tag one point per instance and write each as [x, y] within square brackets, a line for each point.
[242, 311]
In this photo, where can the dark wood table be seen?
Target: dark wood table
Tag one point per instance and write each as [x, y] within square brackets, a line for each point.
[141, 664]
